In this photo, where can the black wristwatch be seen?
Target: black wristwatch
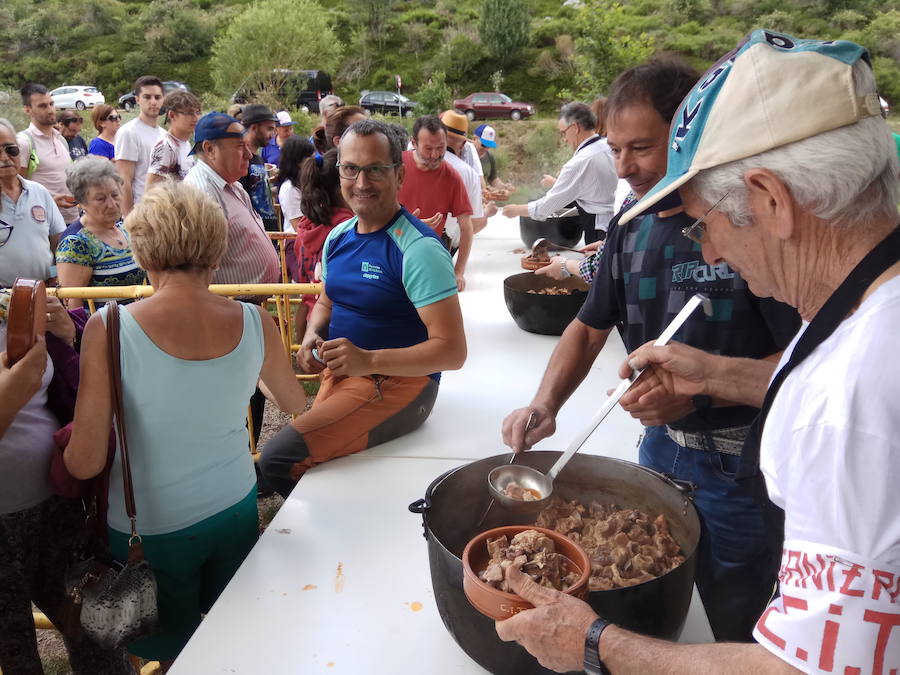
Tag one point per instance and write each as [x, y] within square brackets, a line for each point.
[702, 402]
[592, 663]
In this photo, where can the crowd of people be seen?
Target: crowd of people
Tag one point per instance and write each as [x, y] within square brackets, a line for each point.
[789, 229]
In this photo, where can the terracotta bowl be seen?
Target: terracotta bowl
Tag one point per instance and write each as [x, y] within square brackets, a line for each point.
[499, 605]
[531, 263]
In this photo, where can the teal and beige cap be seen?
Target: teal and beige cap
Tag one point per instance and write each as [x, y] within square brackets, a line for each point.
[771, 90]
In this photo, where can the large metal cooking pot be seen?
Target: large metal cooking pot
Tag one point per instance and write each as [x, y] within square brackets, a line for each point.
[563, 231]
[456, 500]
[538, 313]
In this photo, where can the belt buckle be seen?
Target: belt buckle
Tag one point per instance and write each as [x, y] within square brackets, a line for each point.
[678, 436]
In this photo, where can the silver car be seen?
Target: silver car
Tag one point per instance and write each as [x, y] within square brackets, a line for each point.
[76, 96]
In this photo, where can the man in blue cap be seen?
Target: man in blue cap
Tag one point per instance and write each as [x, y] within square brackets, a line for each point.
[802, 200]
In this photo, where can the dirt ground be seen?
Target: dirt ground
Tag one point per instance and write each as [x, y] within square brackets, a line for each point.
[50, 645]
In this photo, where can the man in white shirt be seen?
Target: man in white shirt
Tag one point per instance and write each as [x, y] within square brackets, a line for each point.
[43, 152]
[136, 139]
[588, 178]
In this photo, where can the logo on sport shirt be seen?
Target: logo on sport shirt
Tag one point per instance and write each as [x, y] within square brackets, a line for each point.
[370, 270]
[695, 271]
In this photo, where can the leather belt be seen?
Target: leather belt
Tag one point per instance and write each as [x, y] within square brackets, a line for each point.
[729, 441]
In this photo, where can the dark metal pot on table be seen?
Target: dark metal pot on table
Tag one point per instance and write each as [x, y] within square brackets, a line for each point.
[538, 313]
[564, 230]
[456, 500]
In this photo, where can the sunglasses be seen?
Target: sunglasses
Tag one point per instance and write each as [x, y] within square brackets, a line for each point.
[12, 149]
[5, 233]
[111, 118]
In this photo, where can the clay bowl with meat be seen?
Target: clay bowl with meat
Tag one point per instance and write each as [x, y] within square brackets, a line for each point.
[539, 304]
[498, 604]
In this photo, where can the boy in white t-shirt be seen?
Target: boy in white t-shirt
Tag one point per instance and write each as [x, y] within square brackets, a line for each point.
[136, 139]
[170, 156]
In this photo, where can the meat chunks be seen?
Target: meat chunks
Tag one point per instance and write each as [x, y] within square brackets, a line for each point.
[625, 546]
[533, 553]
[515, 491]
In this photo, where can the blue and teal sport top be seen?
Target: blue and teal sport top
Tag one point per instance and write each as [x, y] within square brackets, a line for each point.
[377, 281]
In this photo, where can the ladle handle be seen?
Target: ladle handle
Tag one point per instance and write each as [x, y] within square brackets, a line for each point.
[666, 335]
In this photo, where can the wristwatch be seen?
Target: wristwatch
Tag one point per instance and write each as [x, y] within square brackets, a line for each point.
[563, 269]
[592, 663]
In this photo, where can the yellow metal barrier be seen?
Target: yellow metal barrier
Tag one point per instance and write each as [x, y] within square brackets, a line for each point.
[279, 294]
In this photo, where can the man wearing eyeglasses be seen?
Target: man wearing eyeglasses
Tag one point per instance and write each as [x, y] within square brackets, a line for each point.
[646, 273]
[588, 179]
[30, 223]
[386, 325]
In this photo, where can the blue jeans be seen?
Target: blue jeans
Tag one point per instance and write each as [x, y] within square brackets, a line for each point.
[740, 547]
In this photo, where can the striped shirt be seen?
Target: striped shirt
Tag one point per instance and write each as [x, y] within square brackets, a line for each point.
[250, 257]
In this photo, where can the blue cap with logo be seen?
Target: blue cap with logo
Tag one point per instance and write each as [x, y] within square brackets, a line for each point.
[771, 90]
[213, 126]
[486, 135]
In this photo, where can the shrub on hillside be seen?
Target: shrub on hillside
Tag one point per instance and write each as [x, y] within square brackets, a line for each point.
[434, 96]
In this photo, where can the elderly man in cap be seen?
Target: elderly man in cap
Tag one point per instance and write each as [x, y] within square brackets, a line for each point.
[802, 199]
[223, 153]
[260, 124]
[70, 123]
[271, 152]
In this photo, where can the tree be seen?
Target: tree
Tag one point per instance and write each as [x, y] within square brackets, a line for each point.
[271, 36]
[504, 28]
[434, 96]
[605, 48]
[375, 13]
[176, 31]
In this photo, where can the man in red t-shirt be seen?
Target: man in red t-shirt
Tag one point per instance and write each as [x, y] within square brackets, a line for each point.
[434, 188]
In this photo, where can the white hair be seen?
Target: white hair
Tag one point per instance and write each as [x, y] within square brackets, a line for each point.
[6, 124]
[847, 176]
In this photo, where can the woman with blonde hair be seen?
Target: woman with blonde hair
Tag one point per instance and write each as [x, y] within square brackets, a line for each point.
[107, 122]
[190, 360]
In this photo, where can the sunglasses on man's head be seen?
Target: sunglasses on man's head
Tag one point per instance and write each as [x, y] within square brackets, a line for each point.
[12, 149]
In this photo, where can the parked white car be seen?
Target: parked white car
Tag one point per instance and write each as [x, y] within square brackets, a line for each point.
[76, 96]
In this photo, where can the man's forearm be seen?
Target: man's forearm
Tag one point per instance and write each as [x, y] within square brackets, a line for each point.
[569, 364]
[432, 356]
[739, 381]
[465, 243]
[127, 198]
[626, 653]
[317, 323]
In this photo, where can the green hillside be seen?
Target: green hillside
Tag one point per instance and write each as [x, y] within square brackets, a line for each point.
[548, 53]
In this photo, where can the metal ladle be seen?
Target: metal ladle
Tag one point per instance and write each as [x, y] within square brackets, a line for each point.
[542, 484]
[542, 248]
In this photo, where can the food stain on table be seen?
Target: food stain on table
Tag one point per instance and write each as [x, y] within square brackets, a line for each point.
[309, 587]
[283, 530]
[339, 578]
[414, 606]
[331, 664]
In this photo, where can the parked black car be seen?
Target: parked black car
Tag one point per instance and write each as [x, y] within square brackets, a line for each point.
[129, 100]
[302, 89]
[387, 103]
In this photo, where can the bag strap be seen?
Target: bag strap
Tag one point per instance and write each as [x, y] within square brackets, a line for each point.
[826, 321]
[115, 381]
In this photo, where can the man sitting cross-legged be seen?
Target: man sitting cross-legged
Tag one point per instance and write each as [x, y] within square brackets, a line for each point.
[386, 324]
